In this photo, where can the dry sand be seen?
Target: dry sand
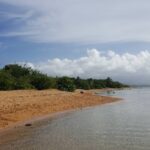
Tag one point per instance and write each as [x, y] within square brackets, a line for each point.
[22, 105]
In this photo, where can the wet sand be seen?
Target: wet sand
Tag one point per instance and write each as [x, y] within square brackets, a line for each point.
[22, 105]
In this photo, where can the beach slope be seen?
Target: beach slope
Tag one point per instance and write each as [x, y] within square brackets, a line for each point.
[22, 105]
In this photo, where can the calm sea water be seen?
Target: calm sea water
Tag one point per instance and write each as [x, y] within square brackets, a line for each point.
[124, 125]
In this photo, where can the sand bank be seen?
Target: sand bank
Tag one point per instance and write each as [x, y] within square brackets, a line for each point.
[22, 105]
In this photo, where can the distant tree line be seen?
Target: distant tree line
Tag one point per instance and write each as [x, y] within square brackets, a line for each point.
[15, 77]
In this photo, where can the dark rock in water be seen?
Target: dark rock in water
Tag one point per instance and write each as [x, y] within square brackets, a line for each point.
[28, 124]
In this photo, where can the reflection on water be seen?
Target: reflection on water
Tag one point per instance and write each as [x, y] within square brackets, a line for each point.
[123, 125]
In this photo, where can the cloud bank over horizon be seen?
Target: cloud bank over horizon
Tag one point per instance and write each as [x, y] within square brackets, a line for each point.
[128, 68]
[86, 21]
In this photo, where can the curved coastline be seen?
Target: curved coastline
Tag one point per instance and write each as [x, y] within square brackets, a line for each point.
[85, 100]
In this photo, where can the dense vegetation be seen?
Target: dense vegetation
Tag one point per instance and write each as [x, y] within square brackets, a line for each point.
[14, 77]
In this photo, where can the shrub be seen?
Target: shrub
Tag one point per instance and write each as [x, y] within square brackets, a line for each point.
[22, 83]
[17, 71]
[66, 84]
[14, 76]
[82, 84]
[6, 81]
[40, 81]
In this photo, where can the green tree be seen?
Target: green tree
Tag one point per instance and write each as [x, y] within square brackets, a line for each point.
[40, 81]
[109, 82]
[17, 71]
[22, 83]
[82, 84]
[14, 76]
[66, 84]
[6, 81]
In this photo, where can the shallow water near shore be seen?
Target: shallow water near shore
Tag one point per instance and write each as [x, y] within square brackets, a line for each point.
[123, 125]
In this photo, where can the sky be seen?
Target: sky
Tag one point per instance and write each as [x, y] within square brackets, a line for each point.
[86, 38]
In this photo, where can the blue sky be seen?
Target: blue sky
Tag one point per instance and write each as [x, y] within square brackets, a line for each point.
[43, 31]
[14, 50]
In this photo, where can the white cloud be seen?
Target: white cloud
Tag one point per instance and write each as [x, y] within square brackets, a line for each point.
[129, 68]
[88, 21]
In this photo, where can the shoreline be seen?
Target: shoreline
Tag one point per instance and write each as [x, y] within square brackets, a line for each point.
[24, 106]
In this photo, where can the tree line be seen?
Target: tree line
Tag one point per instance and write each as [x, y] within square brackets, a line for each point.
[16, 77]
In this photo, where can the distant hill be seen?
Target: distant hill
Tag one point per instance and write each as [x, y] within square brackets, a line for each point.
[16, 77]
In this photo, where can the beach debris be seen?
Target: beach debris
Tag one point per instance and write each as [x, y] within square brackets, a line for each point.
[28, 124]
[81, 92]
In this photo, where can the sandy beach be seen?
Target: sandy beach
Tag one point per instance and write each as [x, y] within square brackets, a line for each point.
[22, 105]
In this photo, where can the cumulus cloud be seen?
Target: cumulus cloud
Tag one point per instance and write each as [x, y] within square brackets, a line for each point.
[88, 21]
[128, 68]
